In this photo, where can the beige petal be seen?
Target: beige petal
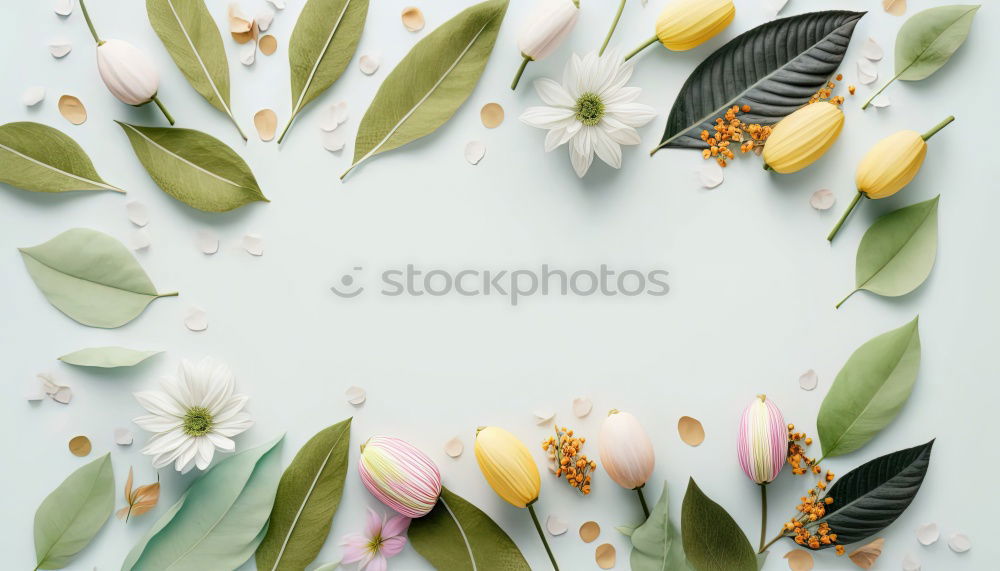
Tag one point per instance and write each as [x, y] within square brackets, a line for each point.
[691, 431]
[137, 213]
[823, 199]
[240, 25]
[491, 115]
[253, 244]
[589, 531]
[808, 380]
[79, 446]
[62, 395]
[544, 416]
[474, 152]
[865, 556]
[582, 406]
[72, 109]
[605, 556]
[556, 525]
[928, 533]
[894, 7]
[356, 395]
[799, 560]
[268, 44]
[959, 543]
[454, 447]
[196, 320]
[266, 122]
[33, 96]
[413, 18]
[369, 63]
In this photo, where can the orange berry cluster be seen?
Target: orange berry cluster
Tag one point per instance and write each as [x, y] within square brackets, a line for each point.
[731, 129]
[568, 463]
[811, 509]
[797, 454]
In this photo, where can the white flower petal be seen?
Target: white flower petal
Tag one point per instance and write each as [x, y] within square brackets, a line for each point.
[545, 117]
[205, 451]
[221, 442]
[229, 409]
[185, 460]
[620, 132]
[606, 149]
[632, 114]
[165, 442]
[239, 423]
[155, 423]
[571, 76]
[160, 404]
[553, 94]
[581, 153]
[622, 95]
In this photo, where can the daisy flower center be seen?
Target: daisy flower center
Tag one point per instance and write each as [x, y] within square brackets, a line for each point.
[589, 109]
[197, 421]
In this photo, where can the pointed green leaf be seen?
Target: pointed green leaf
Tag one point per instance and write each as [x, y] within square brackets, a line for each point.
[656, 544]
[308, 497]
[458, 536]
[928, 39]
[193, 167]
[91, 277]
[219, 521]
[107, 357]
[39, 158]
[70, 517]
[870, 390]
[431, 82]
[192, 39]
[712, 540]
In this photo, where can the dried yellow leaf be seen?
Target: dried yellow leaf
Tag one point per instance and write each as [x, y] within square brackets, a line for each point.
[799, 560]
[691, 431]
[589, 531]
[139, 500]
[79, 446]
[268, 44]
[266, 123]
[865, 556]
[492, 115]
[72, 109]
[605, 556]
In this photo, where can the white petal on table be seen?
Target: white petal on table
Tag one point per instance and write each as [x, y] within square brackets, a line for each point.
[137, 213]
[264, 18]
[253, 244]
[710, 174]
[882, 101]
[33, 95]
[544, 416]
[369, 63]
[867, 72]
[474, 152]
[140, 239]
[556, 525]
[335, 140]
[196, 320]
[60, 49]
[356, 395]
[208, 242]
[278, 4]
[248, 53]
[773, 7]
[928, 533]
[454, 447]
[123, 437]
[959, 543]
[582, 406]
[808, 380]
[872, 50]
[334, 115]
[911, 563]
[34, 391]
[64, 7]
[823, 199]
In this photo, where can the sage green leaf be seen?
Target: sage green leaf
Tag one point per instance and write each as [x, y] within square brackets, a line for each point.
[39, 158]
[70, 517]
[192, 39]
[323, 42]
[219, 521]
[193, 167]
[870, 390]
[458, 536]
[712, 540]
[869, 498]
[774, 68]
[107, 357]
[656, 544]
[431, 82]
[308, 497]
[927, 41]
[91, 277]
[897, 252]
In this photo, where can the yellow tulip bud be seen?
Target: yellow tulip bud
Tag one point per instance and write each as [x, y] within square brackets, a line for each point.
[891, 164]
[686, 24]
[507, 466]
[798, 140]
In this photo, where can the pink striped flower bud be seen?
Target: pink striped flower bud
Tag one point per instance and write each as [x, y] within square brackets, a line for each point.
[625, 449]
[399, 475]
[763, 440]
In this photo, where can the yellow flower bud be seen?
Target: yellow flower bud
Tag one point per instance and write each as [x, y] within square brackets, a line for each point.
[686, 24]
[891, 164]
[798, 140]
[507, 466]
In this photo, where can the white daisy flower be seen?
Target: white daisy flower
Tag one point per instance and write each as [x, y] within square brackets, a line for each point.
[593, 110]
[195, 413]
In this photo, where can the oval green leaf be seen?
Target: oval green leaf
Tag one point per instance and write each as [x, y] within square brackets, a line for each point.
[928, 40]
[39, 158]
[870, 390]
[219, 521]
[193, 167]
[712, 539]
[91, 277]
[308, 497]
[323, 42]
[192, 39]
[656, 544]
[458, 536]
[107, 357]
[70, 517]
[774, 68]
[431, 82]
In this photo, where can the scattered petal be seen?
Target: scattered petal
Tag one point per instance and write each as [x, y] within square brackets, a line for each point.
[491, 115]
[63, 395]
[544, 416]
[335, 140]
[823, 199]
[137, 213]
[80, 446]
[605, 556]
[711, 174]
[356, 395]
[59, 393]
[773, 7]
[268, 44]
[691, 431]
[140, 239]
[881, 101]
[208, 243]
[928, 533]
[72, 109]
[454, 448]
[582, 406]
[196, 320]
[872, 50]
[264, 18]
[266, 122]
[369, 63]
[867, 72]
[253, 244]
[334, 115]
[240, 25]
[959, 543]
[894, 7]
[808, 380]
[64, 7]
[474, 152]
[799, 560]
[556, 525]
[33, 95]
[35, 391]
[865, 556]
[589, 531]
[123, 437]
[413, 19]
[60, 49]
[248, 53]
[911, 563]
[278, 4]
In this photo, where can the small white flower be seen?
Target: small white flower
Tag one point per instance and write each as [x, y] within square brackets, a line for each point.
[195, 413]
[593, 110]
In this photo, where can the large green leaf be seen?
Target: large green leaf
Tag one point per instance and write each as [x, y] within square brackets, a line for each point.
[70, 517]
[193, 167]
[323, 42]
[870, 497]
[91, 277]
[308, 497]
[458, 536]
[870, 390]
[897, 253]
[774, 68]
[219, 521]
[107, 357]
[192, 39]
[656, 544]
[431, 82]
[712, 539]
[42, 159]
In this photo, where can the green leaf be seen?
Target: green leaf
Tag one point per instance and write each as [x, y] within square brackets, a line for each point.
[870, 390]
[458, 536]
[712, 540]
[869, 498]
[897, 253]
[91, 277]
[39, 158]
[219, 521]
[193, 167]
[70, 517]
[308, 497]
[656, 544]
[774, 68]
[107, 357]
[431, 82]
[192, 39]
[323, 42]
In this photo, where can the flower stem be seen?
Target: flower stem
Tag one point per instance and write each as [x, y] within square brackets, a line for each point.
[642, 500]
[843, 218]
[876, 94]
[90, 24]
[520, 70]
[846, 298]
[763, 515]
[772, 542]
[171, 294]
[614, 24]
[938, 127]
[281, 137]
[538, 528]
[163, 108]
[644, 45]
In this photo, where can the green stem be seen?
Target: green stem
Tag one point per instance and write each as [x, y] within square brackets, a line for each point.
[520, 70]
[281, 137]
[876, 94]
[763, 515]
[90, 24]
[642, 500]
[538, 528]
[644, 45]
[614, 24]
[163, 109]
[938, 127]
[772, 542]
[846, 298]
[843, 217]
[171, 294]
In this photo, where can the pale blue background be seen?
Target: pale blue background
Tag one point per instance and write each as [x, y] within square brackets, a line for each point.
[751, 307]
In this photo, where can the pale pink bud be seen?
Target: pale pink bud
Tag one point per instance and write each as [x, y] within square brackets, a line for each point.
[399, 475]
[625, 449]
[548, 25]
[128, 72]
[763, 440]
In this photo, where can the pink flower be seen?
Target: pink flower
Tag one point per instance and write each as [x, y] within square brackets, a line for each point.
[381, 539]
[763, 440]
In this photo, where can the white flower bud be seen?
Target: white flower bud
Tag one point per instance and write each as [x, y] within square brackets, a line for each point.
[128, 73]
[547, 26]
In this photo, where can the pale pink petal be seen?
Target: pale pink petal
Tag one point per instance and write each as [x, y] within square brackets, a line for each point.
[377, 563]
[355, 548]
[392, 546]
[373, 524]
[396, 525]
